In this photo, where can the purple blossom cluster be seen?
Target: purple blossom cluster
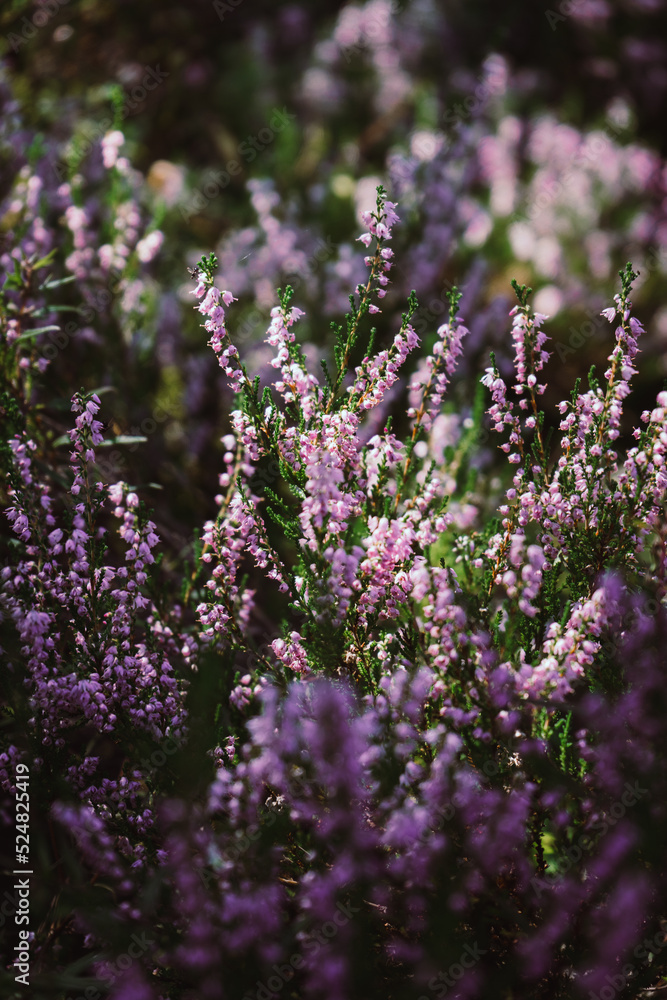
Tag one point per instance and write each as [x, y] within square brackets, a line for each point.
[307, 856]
[95, 656]
[471, 176]
[451, 744]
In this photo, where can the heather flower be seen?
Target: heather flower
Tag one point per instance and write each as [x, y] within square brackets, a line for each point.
[292, 654]
[439, 365]
[149, 246]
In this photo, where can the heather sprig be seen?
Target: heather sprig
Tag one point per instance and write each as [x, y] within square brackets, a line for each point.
[314, 445]
[380, 224]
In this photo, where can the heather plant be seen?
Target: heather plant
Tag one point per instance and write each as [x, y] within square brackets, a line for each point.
[374, 98]
[483, 189]
[484, 180]
[479, 169]
[397, 728]
[76, 223]
[442, 772]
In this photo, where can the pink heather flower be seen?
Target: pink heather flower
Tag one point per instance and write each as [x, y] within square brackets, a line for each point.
[210, 300]
[292, 654]
[148, 247]
[111, 144]
[327, 506]
[392, 217]
[76, 218]
[227, 353]
[427, 392]
[376, 375]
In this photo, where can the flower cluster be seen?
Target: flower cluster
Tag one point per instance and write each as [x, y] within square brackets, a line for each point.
[98, 661]
[410, 737]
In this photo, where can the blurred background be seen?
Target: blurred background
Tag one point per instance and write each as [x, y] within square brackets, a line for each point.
[519, 141]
